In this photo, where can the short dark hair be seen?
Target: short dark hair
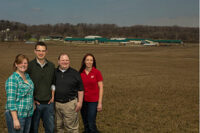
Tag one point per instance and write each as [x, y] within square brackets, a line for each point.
[18, 60]
[61, 54]
[40, 44]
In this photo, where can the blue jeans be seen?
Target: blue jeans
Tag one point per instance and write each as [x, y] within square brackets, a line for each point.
[89, 113]
[46, 113]
[25, 123]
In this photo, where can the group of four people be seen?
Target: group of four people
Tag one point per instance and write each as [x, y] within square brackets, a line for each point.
[37, 87]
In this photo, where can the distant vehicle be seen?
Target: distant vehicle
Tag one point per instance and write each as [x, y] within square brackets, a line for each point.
[29, 42]
[148, 43]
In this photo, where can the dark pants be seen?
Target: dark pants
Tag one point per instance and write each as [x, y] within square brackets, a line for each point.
[89, 113]
[25, 124]
[46, 113]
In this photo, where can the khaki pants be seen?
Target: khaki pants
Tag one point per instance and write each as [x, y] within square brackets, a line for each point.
[67, 117]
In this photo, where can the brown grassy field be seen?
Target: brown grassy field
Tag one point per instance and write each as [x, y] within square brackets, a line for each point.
[146, 89]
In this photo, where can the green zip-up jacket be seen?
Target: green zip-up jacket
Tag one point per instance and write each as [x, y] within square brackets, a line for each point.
[42, 79]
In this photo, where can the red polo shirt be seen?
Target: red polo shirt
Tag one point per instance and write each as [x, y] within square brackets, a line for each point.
[90, 83]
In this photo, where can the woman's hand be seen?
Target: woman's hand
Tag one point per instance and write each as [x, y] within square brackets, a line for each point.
[16, 124]
[99, 107]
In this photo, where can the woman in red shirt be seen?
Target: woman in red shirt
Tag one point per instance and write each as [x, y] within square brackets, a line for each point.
[93, 93]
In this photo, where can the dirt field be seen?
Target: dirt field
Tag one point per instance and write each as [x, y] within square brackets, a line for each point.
[146, 89]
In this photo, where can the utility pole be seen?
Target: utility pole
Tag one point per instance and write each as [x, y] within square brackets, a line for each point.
[7, 30]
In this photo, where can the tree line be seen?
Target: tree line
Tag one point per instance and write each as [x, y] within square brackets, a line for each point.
[19, 31]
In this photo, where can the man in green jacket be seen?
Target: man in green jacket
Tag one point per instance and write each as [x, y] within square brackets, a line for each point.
[41, 72]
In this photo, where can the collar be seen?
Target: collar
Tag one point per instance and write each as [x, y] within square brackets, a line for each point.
[42, 65]
[18, 76]
[59, 69]
[62, 70]
[92, 70]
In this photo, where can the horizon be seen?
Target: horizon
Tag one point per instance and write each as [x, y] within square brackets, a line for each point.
[101, 24]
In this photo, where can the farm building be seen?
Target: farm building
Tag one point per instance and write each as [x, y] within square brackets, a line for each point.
[99, 39]
[120, 38]
[92, 37]
[32, 40]
[56, 38]
[48, 38]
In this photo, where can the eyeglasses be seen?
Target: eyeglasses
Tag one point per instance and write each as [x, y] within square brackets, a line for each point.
[40, 51]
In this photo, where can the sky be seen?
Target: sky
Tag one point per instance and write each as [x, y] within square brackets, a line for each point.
[119, 12]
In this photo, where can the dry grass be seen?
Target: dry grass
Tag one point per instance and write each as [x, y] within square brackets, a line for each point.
[146, 89]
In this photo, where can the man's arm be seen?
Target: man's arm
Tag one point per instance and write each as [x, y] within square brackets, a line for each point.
[80, 101]
[53, 88]
[52, 96]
